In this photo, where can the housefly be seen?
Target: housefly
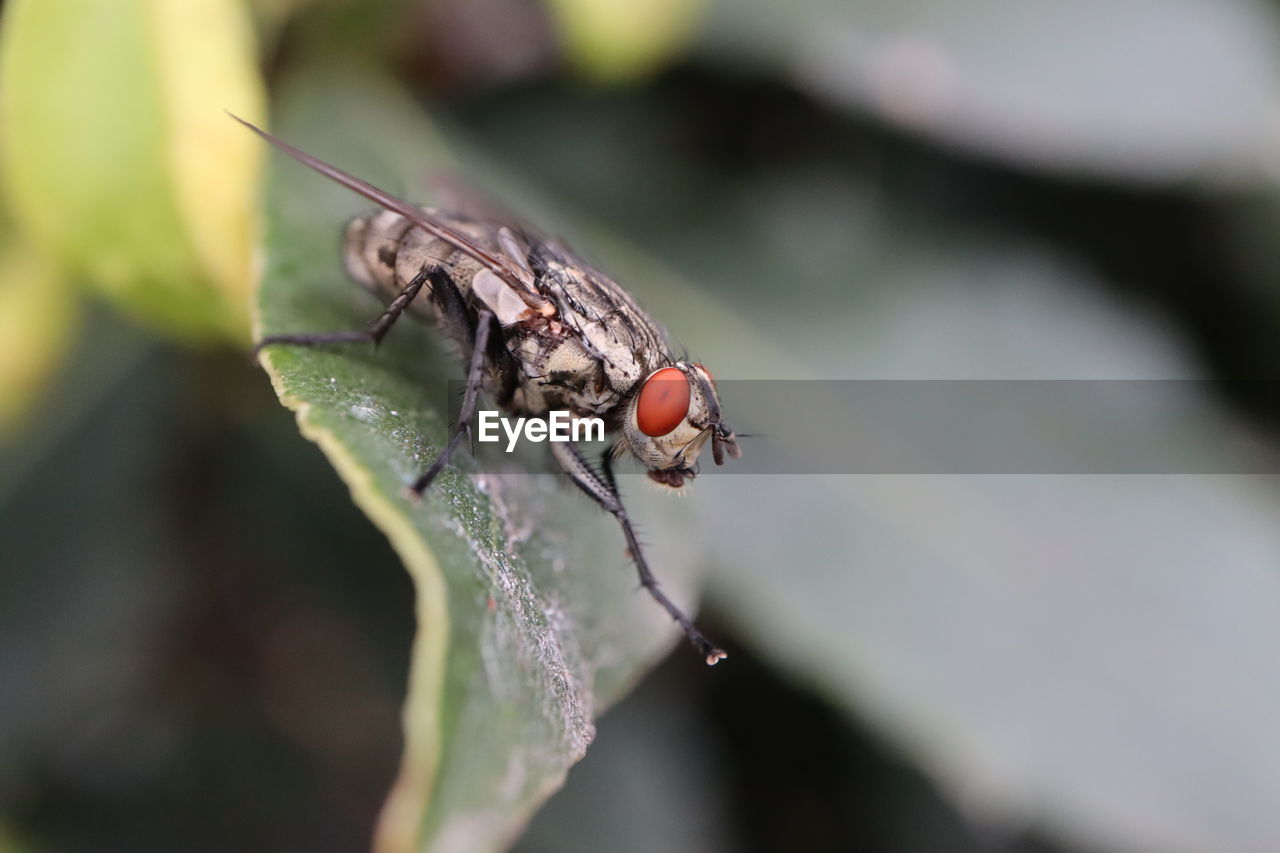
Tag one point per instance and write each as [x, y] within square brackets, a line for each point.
[539, 330]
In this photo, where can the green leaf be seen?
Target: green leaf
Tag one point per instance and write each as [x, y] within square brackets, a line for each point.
[38, 319]
[528, 621]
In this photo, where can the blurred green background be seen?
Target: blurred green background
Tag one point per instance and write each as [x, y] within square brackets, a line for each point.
[204, 645]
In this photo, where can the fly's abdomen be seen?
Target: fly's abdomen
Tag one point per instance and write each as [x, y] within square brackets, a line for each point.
[369, 248]
[384, 252]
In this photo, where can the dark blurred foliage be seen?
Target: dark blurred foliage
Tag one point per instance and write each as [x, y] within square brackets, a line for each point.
[203, 655]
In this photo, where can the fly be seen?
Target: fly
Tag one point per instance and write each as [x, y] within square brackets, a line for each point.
[539, 330]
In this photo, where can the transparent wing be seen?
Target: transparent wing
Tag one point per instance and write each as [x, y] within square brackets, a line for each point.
[513, 271]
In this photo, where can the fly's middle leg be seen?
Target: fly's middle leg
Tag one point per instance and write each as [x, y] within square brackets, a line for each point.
[602, 488]
[475, 380]
[376, 331]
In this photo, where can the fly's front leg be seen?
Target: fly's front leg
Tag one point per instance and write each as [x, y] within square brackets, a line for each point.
[475, 379]
[604, 492]
[377, 329]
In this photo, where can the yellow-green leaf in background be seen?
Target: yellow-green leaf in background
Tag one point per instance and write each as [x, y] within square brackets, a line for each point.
[618, 40]
[37, 318]
[119, 162]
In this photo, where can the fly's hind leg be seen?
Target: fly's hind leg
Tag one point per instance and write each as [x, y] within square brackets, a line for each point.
[475, 379]
[602, 488]
[376, 330]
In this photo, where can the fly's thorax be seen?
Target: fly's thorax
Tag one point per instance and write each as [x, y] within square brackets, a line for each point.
[558, 368]
[596, 348]
[669, 418]
[613, 329]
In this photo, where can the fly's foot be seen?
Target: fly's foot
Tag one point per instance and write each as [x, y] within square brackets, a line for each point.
[714, 656]
[424, 482]
[710, 652]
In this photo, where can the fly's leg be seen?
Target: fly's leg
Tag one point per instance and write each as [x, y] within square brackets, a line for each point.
[377, 329]
[475, 378]
[446, 294]
[603, 490]
[455, 319]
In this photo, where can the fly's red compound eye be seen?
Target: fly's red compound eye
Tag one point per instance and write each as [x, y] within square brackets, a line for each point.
[663, 403]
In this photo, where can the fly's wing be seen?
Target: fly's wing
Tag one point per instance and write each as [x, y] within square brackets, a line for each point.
[462, 204]
[507, 278]
[585, 296]
[454, 194]
[514, 237]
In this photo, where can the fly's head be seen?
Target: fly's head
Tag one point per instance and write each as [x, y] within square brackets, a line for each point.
[669, 419]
